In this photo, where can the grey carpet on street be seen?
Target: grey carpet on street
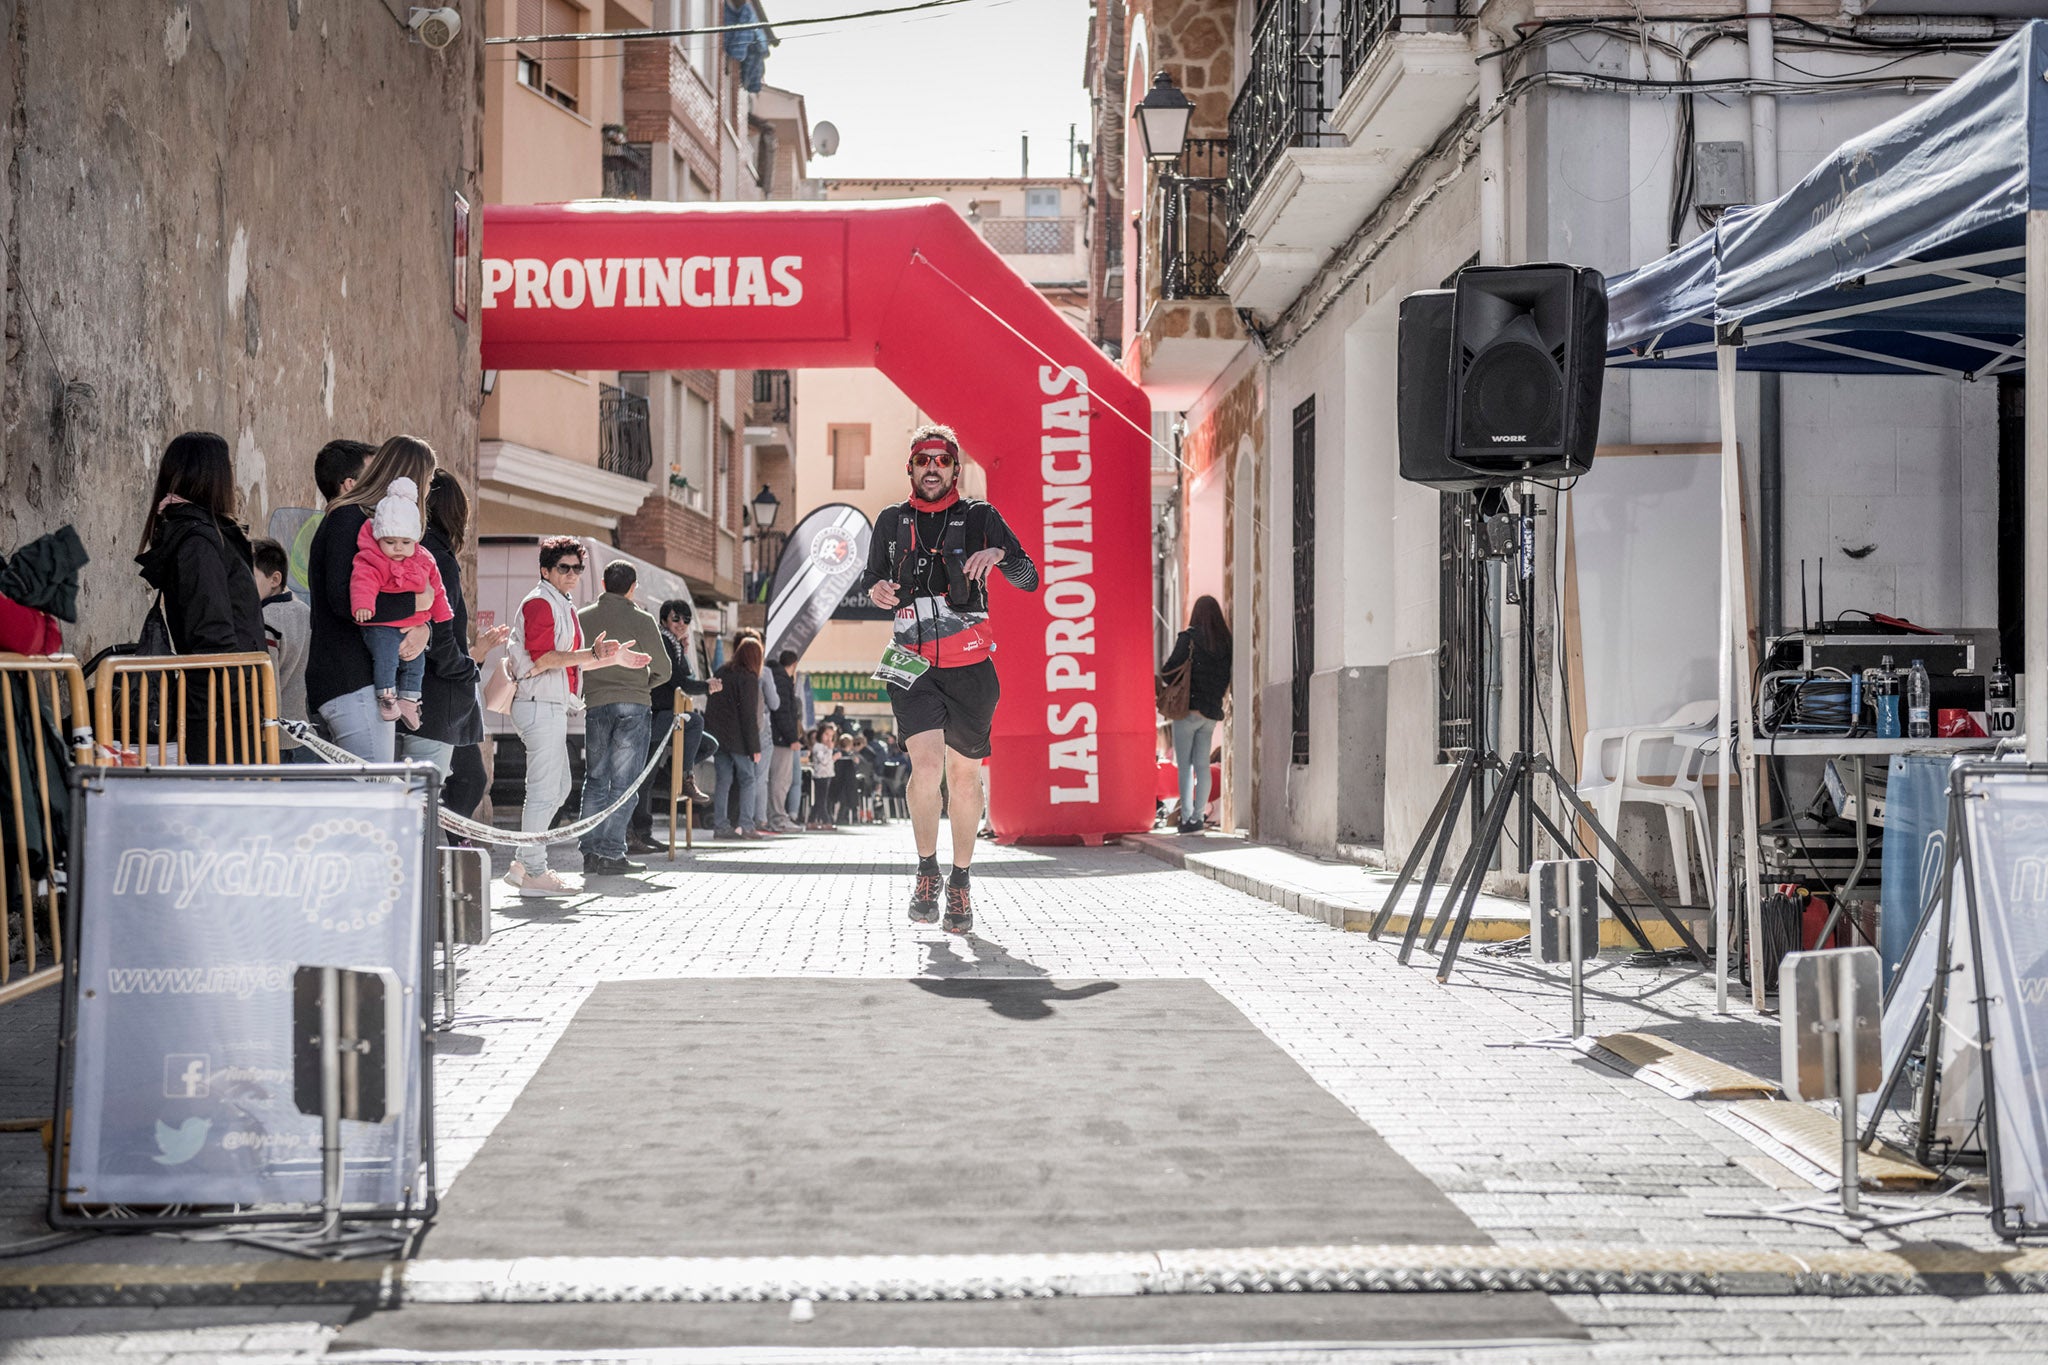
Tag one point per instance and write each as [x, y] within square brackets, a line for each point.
[949, 1116]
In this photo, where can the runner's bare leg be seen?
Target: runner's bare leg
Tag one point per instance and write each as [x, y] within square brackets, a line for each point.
[963, 787]
[928, 758]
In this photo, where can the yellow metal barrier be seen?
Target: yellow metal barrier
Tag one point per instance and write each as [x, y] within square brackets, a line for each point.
[142, 706]
[38, 696]
[676, 774]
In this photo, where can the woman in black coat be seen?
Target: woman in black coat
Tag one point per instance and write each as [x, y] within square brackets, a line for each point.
[1205, 647]
[338, 686]
[197, 556]
[733, 718]
[451, 715]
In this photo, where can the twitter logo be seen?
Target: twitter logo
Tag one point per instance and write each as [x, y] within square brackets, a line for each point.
[179, 1145]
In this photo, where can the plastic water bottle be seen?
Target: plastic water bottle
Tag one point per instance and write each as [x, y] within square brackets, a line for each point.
[1884, 695]
[2003, 717]
[1919, 702]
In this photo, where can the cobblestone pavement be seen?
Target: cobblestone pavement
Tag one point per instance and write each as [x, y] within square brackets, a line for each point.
[1535, 1145]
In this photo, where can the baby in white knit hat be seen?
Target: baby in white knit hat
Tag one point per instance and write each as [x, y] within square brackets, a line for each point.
[389, 560]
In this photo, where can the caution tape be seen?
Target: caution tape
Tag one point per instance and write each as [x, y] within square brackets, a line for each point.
[490, 834]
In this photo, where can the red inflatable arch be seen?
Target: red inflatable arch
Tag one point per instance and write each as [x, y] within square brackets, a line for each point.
[910, 289]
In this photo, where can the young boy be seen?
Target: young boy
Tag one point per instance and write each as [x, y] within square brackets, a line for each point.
[287, 626]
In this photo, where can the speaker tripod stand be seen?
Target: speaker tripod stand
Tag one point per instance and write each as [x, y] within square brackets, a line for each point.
[1515, 786]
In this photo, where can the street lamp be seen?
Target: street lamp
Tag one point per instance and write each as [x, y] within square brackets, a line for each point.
[1163, 120]
[766, 505]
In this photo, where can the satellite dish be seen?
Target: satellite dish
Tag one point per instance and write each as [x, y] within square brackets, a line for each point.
[824, 139]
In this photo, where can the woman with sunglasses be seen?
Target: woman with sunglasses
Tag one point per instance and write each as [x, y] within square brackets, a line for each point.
[929, 561]
[549, 658]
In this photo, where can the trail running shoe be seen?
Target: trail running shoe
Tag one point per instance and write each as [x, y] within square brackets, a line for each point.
[924, 900]
[959, 909]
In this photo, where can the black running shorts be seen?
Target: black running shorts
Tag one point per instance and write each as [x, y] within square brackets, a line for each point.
[960, 701]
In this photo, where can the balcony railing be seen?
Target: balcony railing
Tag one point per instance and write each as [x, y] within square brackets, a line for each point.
[771, 397]
[628, 166]
[1294, 80]
[624, 445]
[1366, 21]
[1194, 221]
[1030, 236]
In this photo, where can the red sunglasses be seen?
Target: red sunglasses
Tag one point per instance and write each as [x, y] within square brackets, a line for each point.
[942, 460]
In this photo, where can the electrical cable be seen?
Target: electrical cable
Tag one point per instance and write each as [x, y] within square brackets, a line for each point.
[631, 34]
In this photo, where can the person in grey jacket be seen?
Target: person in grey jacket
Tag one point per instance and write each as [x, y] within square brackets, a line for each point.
[617, 717]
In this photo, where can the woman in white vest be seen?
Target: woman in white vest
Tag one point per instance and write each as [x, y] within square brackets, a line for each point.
[549, 658]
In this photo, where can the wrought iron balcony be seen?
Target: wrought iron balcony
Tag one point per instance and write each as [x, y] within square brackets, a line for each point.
[628, 166]
[1365, 22]
[1194, 221]
[1294, 77]
[624, 444]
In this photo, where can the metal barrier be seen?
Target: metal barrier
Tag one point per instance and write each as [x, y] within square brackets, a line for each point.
[141, 705]
[676, 773]
[37, 695]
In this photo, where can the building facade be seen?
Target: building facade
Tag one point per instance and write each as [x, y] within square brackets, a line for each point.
[663, 464]
[1344, 154]
[277, 279]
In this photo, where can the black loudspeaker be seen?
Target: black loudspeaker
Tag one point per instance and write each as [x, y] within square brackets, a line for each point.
[1528, 354]
[1425, 395]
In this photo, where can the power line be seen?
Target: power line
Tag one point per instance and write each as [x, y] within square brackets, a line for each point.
[629, 33]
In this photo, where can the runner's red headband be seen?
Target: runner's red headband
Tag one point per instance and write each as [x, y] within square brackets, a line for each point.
[933, 445]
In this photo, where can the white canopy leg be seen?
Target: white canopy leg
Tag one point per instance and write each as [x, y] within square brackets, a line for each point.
[1724, 724]
[2036, 579]
[1735, 658]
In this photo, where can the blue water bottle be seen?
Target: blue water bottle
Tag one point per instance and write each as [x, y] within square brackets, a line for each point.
[1886, 694]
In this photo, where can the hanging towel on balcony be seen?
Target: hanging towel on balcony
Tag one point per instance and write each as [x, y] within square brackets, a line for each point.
[747, 46]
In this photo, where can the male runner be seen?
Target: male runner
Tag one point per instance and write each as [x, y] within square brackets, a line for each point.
[929, 561]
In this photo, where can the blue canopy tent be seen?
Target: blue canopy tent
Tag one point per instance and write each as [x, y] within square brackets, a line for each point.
[1920, 247]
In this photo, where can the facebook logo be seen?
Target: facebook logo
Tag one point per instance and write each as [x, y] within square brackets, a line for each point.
[185, 1076]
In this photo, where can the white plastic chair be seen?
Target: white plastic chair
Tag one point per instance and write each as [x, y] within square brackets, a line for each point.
[1656, 765]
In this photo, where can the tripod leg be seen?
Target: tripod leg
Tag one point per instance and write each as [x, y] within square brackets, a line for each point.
[1623, 861]
[1468, 869]
[1614, 907]
[1496, 823]
[1465, 870]
[1443, 818]
[1472, 867]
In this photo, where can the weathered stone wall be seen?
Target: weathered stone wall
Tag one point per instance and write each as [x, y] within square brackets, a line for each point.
[231, 215]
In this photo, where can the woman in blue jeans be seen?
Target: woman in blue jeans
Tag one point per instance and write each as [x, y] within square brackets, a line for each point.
[1205, 647]
[733, 718]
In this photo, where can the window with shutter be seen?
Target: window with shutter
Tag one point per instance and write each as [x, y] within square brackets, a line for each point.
[849, 455]
[563, 61]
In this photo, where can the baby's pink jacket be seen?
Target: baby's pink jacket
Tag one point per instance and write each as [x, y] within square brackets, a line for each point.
[377, 572]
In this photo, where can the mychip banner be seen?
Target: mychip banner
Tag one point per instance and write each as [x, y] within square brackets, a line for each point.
[196, 897]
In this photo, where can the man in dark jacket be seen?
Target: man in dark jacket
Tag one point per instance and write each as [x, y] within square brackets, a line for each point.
[675, 618]
[786, 725]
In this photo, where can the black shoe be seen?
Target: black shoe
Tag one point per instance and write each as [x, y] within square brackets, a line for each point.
[612, 867]
[924, 899]
[959, 909]
[644, 843]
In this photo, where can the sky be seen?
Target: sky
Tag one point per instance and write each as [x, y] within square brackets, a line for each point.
[941, 94]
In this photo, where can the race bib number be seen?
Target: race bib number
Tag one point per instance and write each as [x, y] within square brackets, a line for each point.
[900, 667]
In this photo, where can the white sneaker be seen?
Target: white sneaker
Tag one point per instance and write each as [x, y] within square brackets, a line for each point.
[515, 875]
[544, 884]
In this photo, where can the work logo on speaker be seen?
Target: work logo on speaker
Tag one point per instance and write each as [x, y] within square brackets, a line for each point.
[198, 901]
